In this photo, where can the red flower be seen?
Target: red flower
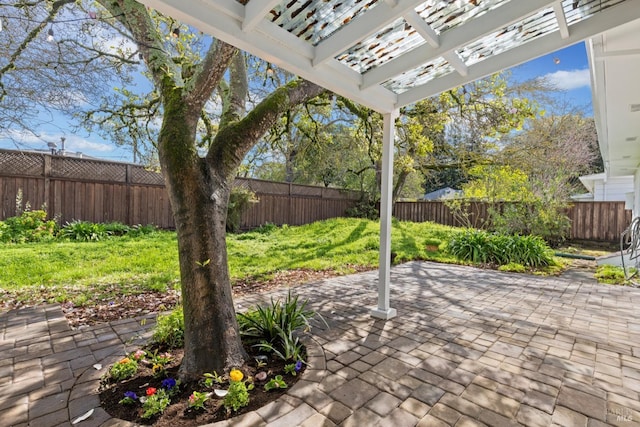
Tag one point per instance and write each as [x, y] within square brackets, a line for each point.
[151, 391]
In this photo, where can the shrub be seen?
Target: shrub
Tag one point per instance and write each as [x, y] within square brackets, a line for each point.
[547, 220]
[169, 330]
[366, 209]
[273, 327]
[29, 226]
[481, 247]
[141, 230]
[117, 228]
[471, 245]
[84, 231]
[239, 201]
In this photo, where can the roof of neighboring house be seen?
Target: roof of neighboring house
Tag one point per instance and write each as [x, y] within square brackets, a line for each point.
[589, 181]
[443, 193]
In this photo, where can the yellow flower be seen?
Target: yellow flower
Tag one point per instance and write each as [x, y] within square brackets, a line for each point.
[125, 360]
[235, 375]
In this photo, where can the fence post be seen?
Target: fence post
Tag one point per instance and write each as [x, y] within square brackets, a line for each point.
[47, 196]
[289, 208]
[127, 179]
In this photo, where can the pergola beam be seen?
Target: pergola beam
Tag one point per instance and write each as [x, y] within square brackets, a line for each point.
[453, 39]
[622, 13]
[255, 11]
[360, 28]
[424, 29]
[562, 19]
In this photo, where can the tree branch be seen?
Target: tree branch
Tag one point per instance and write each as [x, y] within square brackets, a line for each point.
[55, 8]
[209, 72]
[233, 142]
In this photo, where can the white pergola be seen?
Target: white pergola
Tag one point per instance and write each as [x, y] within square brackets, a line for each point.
[386, 54]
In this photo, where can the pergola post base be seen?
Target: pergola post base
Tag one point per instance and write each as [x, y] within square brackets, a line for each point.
[379, 313]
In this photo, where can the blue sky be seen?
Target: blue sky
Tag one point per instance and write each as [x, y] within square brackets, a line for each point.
[567, 69]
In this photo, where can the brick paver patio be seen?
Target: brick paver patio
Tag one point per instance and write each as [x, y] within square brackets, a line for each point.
[469, 347]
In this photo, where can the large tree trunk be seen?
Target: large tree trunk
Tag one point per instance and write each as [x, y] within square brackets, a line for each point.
[199, 198]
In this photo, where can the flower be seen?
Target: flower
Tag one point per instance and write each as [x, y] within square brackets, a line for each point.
[168, 383]
[298, 365]
[139, 354]
[151, 391]
[125, 360]
[236, 375]
[131, 395]
[129, 398]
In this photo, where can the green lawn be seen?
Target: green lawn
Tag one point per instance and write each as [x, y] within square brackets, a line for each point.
[151, 261]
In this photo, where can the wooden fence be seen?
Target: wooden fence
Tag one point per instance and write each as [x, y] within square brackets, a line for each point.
[99, 191]
[595, 221]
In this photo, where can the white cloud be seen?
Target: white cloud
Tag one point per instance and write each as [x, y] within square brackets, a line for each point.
[72, 142]
[568, 80]
[76, 143]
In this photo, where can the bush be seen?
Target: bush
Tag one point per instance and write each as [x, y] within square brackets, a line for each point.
[141, 230]
[273, 327]
[481, 247]
[547, 220]
[84, 231]
[239, 201]
[366, 209]
[29, 226]
[169, 330]
[117, 228]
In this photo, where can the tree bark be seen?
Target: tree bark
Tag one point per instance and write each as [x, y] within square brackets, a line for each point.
[199, 198]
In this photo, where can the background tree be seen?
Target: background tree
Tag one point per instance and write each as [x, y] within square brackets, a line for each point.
[438, 139]
[182, 77]
[538, 169]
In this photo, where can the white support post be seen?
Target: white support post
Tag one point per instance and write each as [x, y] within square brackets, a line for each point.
[384, 311]
[636, 193]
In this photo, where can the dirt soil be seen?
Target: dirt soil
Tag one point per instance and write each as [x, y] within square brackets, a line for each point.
[120, 306]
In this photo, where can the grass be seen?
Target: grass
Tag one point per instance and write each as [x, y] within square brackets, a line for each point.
[336, 244]
[84, 271]
[150, 262]
[612, 275]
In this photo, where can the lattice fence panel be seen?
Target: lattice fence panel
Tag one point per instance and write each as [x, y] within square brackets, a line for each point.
[29, 164]
[300, 190]
[140, 175]
[85, 169]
